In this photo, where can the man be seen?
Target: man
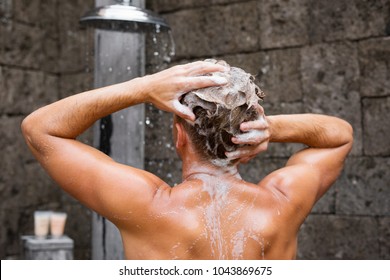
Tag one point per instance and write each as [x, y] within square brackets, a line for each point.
[213, 213]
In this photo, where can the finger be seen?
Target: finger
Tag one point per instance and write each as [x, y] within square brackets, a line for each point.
[261, 148]
[207, 81]
[183, 111]
[252, 137]
[259, 124]
[247, 151]
[203, 67]
[241, 153]
[193, 83]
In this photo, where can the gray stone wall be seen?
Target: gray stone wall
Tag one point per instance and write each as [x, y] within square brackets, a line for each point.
[330, 57]
[42, 58]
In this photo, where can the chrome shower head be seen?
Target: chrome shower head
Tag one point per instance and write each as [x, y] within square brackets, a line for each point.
[123, 17]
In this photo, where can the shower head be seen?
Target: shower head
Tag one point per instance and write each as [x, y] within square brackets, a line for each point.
[123, 17]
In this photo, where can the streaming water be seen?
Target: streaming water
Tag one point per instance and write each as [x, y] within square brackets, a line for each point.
[160, 48]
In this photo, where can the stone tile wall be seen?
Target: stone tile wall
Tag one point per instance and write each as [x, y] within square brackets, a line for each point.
[42, 59]
[329, 57]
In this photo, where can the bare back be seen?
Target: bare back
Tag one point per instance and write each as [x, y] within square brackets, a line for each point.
[210, 218]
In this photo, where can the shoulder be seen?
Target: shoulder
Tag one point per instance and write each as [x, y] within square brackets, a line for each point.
[295, 185]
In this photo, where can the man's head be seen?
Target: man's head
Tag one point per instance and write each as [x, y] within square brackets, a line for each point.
[219, 112]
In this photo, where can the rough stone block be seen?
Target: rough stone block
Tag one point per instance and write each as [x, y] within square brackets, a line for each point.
[25, 182]
[327, 203]
[282, 108]
[345, 19]
[28, 11]
[330, 76]
[76, 43]
[337, 237]
[5, 8]
[9, 233]
[3, 38]
[376, 113]
[172, 5]
[49, 22]
[2, 82]
[277, 73]
[15, 154]
[27, 90]
[282, 23]
[28, 46]
[69, 16]
[374, 58]
[73, 56]
[364, 187]
[23, 45]
[71, 84]
[33, 188]
[78, 226]
[51, 55]
[384, 238]
[259, 167]
[376, 126]
[161, 6]
[215, 30]
[285, 150]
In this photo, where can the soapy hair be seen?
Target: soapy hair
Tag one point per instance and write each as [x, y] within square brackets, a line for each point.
[219, 111]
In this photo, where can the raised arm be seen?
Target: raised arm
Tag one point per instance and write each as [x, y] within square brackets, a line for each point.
[87, 174]
[329, 140]
[310, 172]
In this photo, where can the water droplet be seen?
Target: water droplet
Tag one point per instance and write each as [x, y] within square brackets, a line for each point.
[128, 68]
[110, 69]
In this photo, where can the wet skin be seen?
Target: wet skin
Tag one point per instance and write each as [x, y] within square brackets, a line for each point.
[213, 214]
[245, 221]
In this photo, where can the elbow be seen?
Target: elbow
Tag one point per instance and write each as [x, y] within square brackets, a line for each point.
[31, 132]
[347, 134]
[349, 130]
[27, 128]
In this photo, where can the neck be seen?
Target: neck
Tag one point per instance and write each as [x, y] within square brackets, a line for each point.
[194, 168]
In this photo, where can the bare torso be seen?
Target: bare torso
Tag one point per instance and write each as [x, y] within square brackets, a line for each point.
[206, 217]
[212, 218]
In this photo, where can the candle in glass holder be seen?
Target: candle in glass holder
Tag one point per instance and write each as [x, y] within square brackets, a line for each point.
[41, 223]
[57, 223]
